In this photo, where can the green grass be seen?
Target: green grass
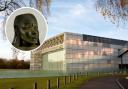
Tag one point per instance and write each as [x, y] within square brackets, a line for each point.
[24, 79]
[76, 84]
[28, 83]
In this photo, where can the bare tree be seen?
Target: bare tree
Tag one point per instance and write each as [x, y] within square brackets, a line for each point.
[115, 10]
[8, 6]
[41, 5]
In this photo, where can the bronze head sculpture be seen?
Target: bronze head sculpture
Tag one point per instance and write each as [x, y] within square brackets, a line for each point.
[26, 32]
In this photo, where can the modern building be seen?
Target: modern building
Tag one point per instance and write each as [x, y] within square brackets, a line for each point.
[72, 52]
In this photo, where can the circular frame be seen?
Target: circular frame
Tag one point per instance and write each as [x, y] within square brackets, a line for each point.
[42, 24]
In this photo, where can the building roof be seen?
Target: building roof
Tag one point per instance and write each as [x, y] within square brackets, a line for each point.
[95, 38]
[100, 39]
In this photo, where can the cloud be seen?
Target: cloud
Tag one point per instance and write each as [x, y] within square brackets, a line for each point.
[81, 17]
[2, 16]
[1, 25]
[5, 49]
[77, 10]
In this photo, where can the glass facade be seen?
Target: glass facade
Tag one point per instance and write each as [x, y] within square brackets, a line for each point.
[53, 60]
[91, 53]
[77, 52]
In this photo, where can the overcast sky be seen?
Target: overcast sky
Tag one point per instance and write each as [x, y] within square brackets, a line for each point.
[79, 16]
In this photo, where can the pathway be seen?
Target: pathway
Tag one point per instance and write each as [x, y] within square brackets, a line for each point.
[101, 83]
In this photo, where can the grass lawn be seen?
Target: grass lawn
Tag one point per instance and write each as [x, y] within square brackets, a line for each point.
[24, 79]
[28, 83]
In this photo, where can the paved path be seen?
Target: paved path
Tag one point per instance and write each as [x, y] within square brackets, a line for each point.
[101, 83]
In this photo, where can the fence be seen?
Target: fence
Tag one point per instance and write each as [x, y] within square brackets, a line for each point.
[66, 80]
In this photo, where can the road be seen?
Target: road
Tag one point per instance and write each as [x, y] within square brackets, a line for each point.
[101, 83]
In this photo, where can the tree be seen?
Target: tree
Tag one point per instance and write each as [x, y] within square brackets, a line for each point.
[14, 64]
[8, 6]
[3, 63]
[115, 10]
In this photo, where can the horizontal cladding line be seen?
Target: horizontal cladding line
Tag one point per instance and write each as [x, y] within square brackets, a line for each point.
[103, 40]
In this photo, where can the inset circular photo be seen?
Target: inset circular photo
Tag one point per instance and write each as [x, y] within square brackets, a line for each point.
[26, 29]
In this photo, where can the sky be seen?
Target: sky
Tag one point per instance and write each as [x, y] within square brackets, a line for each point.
[78, 16]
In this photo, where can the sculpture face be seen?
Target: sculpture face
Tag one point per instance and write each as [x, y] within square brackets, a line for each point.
[26, 30]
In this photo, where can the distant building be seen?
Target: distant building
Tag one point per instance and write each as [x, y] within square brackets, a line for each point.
[79, 52]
